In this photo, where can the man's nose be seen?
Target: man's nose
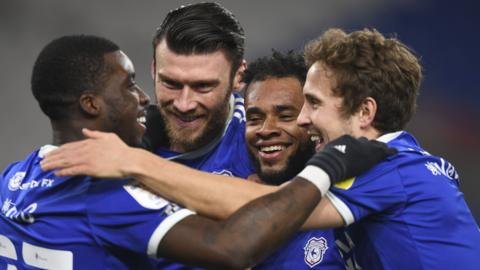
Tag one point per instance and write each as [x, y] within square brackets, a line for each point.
[185, 102]
[269, 128]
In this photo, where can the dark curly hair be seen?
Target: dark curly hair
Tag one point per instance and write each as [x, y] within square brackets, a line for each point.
[366, 64]
[65, 68]
[277, 65]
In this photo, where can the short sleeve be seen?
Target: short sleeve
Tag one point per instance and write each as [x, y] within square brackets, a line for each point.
[129, 217]
[367, 195]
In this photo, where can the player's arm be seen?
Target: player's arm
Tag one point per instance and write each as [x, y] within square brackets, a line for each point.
[215, 196]
[247, 236]
[105, 155]
[262, 225]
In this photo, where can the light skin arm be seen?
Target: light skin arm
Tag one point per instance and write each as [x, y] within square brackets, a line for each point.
[216, 196]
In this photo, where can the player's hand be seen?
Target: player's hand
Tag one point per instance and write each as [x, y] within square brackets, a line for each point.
[100, 155]
[155, 135]
[346, 157]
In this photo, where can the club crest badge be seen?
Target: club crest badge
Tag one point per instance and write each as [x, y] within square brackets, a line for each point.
[314, 250]
[15, 181]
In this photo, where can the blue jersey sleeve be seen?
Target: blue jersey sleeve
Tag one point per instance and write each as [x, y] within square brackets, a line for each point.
[131, 217]
[366, 195]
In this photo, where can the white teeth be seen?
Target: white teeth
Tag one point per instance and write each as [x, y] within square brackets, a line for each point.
[314, 138]
[142, 120]
[272, 148]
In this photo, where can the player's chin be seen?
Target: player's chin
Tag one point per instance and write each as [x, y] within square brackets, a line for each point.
[135, 140]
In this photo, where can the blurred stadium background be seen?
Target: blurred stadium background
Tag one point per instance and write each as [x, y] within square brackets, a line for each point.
[443, 33]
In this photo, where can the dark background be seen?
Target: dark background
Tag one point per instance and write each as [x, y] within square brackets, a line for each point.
[443, 33]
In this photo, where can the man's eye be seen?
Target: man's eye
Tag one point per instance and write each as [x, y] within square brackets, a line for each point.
[313, 103]
[288, 117]
[170, 84]
[132, 86]
[203, 87]
[253, 119]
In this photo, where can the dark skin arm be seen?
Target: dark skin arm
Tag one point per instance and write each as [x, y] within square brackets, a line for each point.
[247, 236]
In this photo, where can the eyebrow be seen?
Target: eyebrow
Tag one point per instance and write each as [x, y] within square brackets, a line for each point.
[164, 77]
[311, 98]
[189, 82]
[278, 108]
[253, 110]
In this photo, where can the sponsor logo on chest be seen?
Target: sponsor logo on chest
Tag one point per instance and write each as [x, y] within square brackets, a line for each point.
[15, 182]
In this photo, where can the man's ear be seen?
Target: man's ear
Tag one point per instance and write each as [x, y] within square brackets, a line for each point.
[90, 104]
[367, 112]
[153, 67]
[237, 79]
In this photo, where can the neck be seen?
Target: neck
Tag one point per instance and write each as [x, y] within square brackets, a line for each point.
[370, 133]
[69, 131]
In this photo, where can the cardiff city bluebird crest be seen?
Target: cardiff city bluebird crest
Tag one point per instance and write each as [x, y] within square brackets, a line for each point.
[314, 250]
[15, 181]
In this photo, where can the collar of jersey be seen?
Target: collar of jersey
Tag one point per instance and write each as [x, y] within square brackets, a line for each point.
[46, 149]
[207, 148]
[385, 138]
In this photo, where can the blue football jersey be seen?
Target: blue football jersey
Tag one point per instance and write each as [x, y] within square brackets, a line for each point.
[226, 154]
[408, 212]
[50, 222]
[315, 249]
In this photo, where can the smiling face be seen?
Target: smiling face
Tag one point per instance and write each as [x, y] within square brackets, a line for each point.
[193, 93]
[278, 145]
[124, 101]
[321, 114]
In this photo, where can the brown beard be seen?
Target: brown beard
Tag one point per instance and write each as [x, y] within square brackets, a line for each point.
[182, 139]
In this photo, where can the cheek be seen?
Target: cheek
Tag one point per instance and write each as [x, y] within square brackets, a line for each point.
[129, 111]
[326, 116]
[317, 118]
[291, 129]
[217, 98]
[164, 96]
[250, 134]
[250, 137]
[211, 102]
[158, 88]
[299, 134]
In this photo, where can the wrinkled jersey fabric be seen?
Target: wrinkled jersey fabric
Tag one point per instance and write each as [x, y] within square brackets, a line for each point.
[80, 222]
[408, 212]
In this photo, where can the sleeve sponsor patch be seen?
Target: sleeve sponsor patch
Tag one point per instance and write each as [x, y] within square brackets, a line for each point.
[145, 198]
